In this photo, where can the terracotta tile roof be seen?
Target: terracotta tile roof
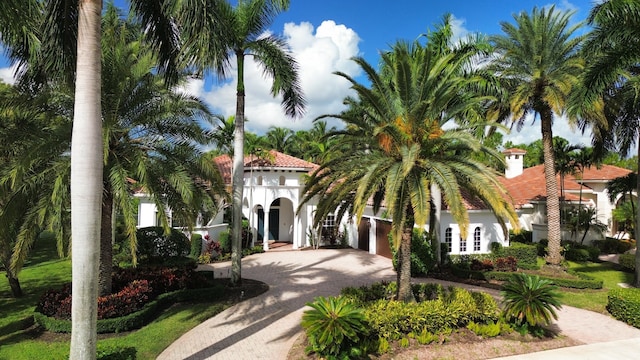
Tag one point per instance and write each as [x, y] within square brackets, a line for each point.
[530, 186]
[514, 151]
[276, 160]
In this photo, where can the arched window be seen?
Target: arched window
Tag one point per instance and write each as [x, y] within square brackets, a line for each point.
[448, 239]
[260, 180]
[282, 180]
[476, 239]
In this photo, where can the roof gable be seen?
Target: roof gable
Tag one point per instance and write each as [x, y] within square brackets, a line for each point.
[274, 161]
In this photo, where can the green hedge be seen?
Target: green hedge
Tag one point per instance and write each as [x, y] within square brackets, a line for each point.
[624, 305]
[527, 255]
[584, 281]
[139, 318]
[627, 262]
[196, 245]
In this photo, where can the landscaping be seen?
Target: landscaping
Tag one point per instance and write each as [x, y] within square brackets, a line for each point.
[170, 315]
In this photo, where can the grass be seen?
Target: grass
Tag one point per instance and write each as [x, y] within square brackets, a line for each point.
[594, 300]
[20, 340]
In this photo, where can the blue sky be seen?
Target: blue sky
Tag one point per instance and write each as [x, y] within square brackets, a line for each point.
[325, 34]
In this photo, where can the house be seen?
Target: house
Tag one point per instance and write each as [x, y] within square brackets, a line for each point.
[274, 183]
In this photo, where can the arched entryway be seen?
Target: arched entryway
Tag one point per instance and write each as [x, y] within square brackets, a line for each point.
[279, 222]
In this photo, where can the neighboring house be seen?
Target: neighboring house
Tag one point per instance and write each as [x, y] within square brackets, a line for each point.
[273, 189]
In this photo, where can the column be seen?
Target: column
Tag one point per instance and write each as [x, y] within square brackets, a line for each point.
[265, 240]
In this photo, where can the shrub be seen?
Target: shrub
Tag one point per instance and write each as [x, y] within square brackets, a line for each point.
[529, 301]
[196, 245]
[423, 258]
[526, 255]
[614, 246]
[624, 305]
[489, 330]
[365, 294]
[258, 249]
[333, 326]
[627, 262]
[225, 241]
[506, 264]
[155, 245]
[484, 265]
[496, 248]
[543, 247]
[579, 255]
[524, 236]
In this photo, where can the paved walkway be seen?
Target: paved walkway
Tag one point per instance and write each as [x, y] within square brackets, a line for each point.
[265, 327]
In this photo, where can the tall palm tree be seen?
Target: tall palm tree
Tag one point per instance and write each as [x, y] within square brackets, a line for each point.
[65, 41]
[611, 82]
[279, 138]
[538, 60]
[215, 31]
[399, 149]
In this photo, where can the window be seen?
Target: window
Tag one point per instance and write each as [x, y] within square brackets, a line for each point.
[282, 180]
[329, 227]
[476, 239]
[259, 180]
[463, 245]
[447, 239]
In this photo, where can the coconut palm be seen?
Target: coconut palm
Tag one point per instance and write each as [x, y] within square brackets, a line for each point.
[538, 61]
[215, 31]
[611, 82]
[399, 150]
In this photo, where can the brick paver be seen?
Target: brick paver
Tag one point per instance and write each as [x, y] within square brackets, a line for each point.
[265, 327]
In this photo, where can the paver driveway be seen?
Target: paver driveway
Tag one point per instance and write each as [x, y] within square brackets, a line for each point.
[265, 327]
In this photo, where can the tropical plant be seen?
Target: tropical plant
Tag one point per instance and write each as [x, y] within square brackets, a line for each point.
[624, 187]
[529, 300]
[333, 325]
[609, 101]
[215, 32]
[625, 214]
[399, 154]
[538, 61]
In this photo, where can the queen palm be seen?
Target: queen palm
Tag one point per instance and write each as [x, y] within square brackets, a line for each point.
[538, 61]
[611, 82]
[215, 31]
[399, 149]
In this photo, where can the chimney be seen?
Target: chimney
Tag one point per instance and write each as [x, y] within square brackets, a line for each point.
[514, 159]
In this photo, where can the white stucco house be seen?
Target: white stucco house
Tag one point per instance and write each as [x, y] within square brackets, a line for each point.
[274, 187]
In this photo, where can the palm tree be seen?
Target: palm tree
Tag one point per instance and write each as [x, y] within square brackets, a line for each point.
[539, 63]
[611, 82]
[399, 150]
[279, 138]
[70, 48]
[215, 31]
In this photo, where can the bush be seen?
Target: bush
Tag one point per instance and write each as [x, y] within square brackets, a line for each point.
[156, 246]
[627, 262]
[624, 305]
[526, 255]
[524, 236]
[484, 265]
[543, 247]
[579, 252]
[496, 248]
[423, 258]
[506, 264]
[529, 301]
[579, 255]
[225, 241]
[196, 245]
[333, 326]
[614, 246]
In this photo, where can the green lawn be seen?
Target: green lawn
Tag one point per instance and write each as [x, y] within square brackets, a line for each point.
[46, 271]
[594, 300]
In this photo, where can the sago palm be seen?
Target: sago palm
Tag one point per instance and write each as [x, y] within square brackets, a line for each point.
[399, 151]
[530, 300]
[538, 60]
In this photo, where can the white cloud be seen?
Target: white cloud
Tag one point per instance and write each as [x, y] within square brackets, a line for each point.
[530, 132]
[318, 54]
[458, 29]
[7, 75]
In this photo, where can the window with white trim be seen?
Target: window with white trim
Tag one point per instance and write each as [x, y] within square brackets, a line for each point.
[463, 245]
[448, 239]
[477, 239]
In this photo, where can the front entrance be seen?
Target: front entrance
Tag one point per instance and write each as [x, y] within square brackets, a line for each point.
[363, 234]
[274, 224]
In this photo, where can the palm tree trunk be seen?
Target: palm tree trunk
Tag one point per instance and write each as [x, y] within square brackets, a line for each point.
[86, 183]
[636, 279]
[106, 245]
[404, 266]
[553, 204]
[14, 284]
[238, 178]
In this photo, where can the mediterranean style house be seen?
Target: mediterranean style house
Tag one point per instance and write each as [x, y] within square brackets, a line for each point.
[273, 189]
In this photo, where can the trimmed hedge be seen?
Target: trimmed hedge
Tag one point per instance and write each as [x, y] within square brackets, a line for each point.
[196, 245]
[624, 305]
[627, 262]
[584, 281]
[140, 318]
[527, 255]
